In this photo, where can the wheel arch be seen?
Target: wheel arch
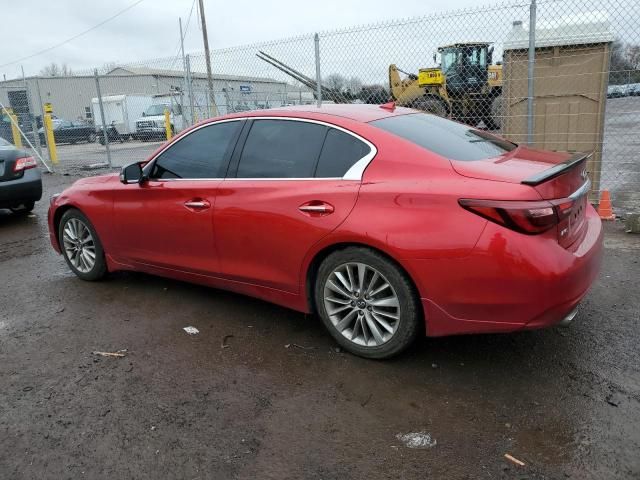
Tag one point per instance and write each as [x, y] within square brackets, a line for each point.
[320, 255]
[57, 216]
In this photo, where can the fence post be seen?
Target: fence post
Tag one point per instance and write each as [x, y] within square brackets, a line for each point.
[32, 117]
[46, 140]
[190, 89]
[531, 71]
[15, 131]
[316, 40]
[104, 123]
[48, 132]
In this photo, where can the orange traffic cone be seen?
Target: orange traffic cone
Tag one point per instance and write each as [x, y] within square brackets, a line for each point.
[604, 207]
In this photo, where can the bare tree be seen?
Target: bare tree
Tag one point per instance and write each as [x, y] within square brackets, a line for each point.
[633, 56]
[354, 86]
[108, 66]
[335, 82]
[55, 70]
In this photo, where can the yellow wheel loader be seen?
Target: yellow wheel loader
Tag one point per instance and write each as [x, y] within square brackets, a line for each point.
[466, 86]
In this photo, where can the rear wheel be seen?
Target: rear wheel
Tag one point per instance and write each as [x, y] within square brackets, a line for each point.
[81, 246]
[367, 303]
[431, 105]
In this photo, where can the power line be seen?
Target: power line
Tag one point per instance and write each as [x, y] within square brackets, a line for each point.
[48, 49]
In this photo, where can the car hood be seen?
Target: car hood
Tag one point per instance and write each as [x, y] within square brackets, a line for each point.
[512, 167]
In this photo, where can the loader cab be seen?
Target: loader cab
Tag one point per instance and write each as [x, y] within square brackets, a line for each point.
[464, 66]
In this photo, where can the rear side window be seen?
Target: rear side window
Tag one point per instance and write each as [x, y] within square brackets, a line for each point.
[339, 153]
[200, 154]
[444, 137]
[281, 149]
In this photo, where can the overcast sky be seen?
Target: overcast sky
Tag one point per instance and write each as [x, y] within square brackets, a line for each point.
[150, 29]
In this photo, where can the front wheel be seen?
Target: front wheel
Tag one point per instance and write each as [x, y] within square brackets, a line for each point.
[81, 246]
[367, 303]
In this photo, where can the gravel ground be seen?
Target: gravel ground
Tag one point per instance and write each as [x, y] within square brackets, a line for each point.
[262, 392]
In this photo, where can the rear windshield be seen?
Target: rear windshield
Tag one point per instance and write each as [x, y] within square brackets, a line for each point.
[450, 139]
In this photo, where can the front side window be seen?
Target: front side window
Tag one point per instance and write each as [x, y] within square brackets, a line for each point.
[281, 149]
[200, 154]
[339, 153]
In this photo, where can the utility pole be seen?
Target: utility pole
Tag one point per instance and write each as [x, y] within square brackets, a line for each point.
[205, 39]
[184, 71]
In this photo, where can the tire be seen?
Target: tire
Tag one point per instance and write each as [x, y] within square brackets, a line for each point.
[24, 208]
[431, 105]
[91, 138]
[79, 265]
[354, 313]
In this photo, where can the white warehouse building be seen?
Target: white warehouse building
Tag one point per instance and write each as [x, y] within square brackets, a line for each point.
[71, 96]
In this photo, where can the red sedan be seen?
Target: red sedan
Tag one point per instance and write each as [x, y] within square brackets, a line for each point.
[384, 221]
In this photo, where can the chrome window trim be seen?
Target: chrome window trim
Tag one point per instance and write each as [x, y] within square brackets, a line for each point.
[355, 172]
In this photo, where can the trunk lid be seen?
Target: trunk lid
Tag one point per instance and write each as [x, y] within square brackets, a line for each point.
[560, 178]
[553, 174]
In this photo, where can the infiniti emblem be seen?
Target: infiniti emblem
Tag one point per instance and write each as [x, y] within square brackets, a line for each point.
[584, 174]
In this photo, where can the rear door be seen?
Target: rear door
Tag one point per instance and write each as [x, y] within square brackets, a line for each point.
[168, 220]
[286, 190]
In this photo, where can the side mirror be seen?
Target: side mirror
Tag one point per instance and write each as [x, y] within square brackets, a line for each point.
[131, 173]
[144, 114]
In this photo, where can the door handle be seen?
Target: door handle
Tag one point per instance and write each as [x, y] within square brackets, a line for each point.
[316, 208]
[197, 204]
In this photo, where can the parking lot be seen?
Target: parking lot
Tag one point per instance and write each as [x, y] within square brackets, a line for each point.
[262, 392]
[88, 156]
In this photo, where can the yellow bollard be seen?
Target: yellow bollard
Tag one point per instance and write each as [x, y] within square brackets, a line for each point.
[48, 131]
[167, 123]
[15, 131]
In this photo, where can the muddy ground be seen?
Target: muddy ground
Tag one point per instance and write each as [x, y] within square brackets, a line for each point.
[564, 402]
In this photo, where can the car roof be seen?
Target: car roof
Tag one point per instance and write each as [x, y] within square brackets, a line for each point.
[359, 112]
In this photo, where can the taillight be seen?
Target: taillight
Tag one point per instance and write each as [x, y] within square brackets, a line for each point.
[522, 216]
[24, 164]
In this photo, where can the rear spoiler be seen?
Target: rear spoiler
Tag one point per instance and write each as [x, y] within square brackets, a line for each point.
[556, 170]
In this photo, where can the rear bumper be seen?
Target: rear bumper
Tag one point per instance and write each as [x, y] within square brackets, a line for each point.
[509, 282]
[28, 188]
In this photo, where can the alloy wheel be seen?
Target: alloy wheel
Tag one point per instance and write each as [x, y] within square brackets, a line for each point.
[361, 304]
[79, 245]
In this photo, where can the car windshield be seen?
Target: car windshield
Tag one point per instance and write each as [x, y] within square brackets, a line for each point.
[450, 139]
[155, 110]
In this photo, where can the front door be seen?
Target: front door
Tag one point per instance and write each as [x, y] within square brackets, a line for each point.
[167, 221]
[286, 192]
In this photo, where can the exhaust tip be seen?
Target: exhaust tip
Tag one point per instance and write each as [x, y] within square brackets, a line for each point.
[566, 321]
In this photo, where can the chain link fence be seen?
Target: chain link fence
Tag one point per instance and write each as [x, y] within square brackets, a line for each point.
[559, 75]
